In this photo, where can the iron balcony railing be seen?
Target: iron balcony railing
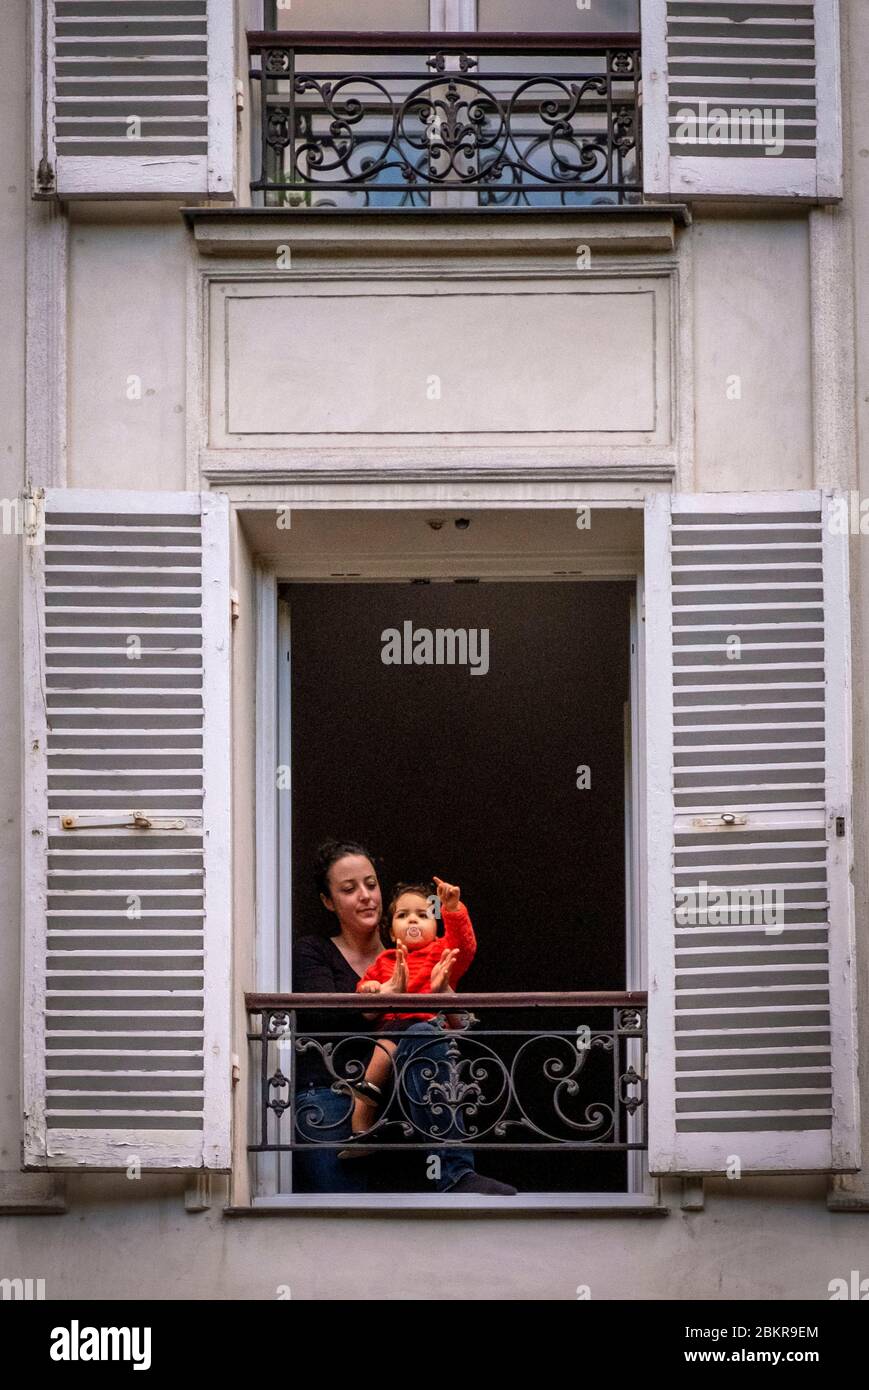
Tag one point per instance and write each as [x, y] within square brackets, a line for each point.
[522, 1072]
[444, 120]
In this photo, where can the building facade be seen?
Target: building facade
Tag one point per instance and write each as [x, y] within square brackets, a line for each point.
[544, 322]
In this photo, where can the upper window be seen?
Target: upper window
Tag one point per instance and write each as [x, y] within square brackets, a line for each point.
[360, 123]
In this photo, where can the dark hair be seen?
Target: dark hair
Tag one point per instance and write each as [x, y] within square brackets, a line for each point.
[328, 853]
[425, 890]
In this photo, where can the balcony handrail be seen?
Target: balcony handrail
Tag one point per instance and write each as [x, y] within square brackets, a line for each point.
[450, 1003]
[427, 41]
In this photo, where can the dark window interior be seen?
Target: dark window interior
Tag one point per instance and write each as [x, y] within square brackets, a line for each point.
[474, 778]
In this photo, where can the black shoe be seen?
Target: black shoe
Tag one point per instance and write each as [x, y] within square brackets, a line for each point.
[367, 1090]
[358, 1150]
[484, 1187]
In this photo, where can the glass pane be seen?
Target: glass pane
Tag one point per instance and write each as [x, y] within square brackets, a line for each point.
[345, 115]
[358, 15]
[561, 132]
[557, 16]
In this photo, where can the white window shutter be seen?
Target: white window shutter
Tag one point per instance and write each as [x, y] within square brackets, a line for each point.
[779, 60]
[126, 636]
[752, 1037]
[133, 98]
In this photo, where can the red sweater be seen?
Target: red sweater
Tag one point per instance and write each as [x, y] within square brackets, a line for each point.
[458, 934]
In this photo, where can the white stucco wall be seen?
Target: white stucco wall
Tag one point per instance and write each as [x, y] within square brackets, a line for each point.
[753, 376]
[13, 208]
[127, 315]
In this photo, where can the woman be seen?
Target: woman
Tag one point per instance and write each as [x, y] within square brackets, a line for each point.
[349, 888]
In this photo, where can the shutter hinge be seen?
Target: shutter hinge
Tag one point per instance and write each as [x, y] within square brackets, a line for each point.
[840, 827]
[234, 605]
[236, 1069]
[33, 520]
[44, 176]
[239, 94]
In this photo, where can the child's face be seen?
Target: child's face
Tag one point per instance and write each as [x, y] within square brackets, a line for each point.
[411, 924]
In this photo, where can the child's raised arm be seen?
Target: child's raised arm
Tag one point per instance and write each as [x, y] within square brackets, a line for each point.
[458, 930]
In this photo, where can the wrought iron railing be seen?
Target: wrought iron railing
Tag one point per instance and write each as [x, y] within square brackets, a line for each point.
[537, 1072]
[429, 120]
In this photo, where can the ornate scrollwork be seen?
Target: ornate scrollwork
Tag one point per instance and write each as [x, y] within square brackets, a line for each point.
[450, 1086]
[510, 138]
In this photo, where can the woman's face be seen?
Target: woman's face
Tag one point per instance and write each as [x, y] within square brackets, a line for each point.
[354, 893]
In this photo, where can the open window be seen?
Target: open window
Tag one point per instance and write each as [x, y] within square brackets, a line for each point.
[714, 838]
[512, 768]
[391, 106]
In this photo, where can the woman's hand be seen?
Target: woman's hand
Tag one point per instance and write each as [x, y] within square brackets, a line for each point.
[369, 987]
[449, 894]
[440, 975]
[397, 982]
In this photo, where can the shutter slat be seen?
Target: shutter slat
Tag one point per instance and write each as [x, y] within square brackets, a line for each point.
[751, 919]
[127, 933]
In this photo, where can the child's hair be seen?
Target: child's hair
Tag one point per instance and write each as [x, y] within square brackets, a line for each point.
[425, 890]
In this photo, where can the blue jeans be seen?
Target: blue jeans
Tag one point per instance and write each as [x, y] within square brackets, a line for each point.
[454, 1163]
[324, 1115]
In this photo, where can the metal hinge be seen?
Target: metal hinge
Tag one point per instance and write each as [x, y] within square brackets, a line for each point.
[234, 605]
[44, 176]
[33, 515]
[239, 94]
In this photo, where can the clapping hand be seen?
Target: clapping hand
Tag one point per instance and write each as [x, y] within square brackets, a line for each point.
[397, 982]
[440, 975]
[449, 893]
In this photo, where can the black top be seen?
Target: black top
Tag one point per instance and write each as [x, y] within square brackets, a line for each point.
[320, 968]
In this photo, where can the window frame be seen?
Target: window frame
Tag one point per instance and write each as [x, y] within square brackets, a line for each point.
[274, 885]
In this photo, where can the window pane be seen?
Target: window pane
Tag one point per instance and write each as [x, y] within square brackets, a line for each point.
[348, 109]
[358, 15]
[557, 16]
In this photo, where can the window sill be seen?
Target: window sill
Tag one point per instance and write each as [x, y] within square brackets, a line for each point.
[403, 1204]
[251, 232]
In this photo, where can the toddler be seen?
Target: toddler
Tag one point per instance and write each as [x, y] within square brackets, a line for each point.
[430, 963]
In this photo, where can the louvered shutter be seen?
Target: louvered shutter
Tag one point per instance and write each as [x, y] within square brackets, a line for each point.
[126, 831]
[133, 97]
[725, 81]
[752, 997]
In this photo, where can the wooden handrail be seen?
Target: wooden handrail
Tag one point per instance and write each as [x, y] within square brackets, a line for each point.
[448, 1003]
[390, 41]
